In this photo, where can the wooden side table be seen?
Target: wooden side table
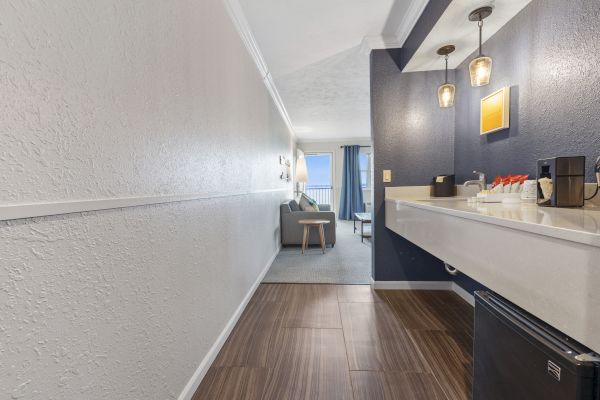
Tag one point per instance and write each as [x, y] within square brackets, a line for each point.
[309, 223]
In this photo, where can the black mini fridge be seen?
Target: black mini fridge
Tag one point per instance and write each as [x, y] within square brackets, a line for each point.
[519, 357]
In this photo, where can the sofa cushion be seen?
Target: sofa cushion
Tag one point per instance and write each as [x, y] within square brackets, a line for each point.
[308, 204]
[294, 205]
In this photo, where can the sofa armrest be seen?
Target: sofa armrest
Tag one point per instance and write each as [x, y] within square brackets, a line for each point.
[324, 207]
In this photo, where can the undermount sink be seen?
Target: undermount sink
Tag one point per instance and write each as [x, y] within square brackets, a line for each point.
[437, 199]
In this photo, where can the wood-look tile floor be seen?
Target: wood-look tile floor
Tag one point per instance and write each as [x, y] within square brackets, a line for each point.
[328, 342]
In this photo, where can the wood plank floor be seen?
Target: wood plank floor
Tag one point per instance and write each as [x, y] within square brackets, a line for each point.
[330, 342]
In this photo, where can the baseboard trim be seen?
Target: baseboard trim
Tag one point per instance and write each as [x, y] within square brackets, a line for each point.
[412, 285]
[193, 384]
[466, 296]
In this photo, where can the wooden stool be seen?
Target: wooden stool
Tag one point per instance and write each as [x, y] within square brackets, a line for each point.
[308, 223]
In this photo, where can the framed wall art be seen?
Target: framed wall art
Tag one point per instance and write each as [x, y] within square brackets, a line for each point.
[495, 111]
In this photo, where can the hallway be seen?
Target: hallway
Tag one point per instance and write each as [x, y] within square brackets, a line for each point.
[162, 161]
[345, 342]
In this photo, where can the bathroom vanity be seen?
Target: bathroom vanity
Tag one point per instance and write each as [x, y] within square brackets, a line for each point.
[545, 260]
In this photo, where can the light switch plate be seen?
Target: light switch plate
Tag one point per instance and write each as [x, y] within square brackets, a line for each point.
[387, 175]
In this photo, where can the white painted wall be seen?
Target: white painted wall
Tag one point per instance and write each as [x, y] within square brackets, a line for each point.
[338, 162]
[122, 98]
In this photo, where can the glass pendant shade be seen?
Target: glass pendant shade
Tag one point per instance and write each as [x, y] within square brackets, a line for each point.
[480, 70]
[446, 90]
[446, 95]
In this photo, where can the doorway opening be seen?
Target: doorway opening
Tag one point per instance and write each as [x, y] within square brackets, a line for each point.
[347, 257]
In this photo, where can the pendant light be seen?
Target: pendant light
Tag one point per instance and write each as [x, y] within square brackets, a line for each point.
[447, 90]
[480, 68]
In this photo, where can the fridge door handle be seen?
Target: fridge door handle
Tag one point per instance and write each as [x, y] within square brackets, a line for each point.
[588, 357]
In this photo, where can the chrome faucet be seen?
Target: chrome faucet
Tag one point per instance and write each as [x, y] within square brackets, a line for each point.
[479, 182]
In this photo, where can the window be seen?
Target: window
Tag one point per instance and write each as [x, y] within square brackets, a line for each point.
[320, 177]
[365, 168]
[319, 170]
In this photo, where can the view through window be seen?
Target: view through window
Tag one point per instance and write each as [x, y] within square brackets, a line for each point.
[320, 179]
[365, 176]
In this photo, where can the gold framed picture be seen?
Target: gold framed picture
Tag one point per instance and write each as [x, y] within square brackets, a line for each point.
[495, 111]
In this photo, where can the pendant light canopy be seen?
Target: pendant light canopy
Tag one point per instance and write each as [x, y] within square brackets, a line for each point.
[447, 90]
[480, 68]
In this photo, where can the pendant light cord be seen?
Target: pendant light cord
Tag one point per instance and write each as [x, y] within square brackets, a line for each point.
[594, 195]
[480, 25]
[446, 57]
[597, 171]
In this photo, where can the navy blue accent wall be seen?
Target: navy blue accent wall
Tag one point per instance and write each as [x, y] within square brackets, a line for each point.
[413, 138]
[549, 55]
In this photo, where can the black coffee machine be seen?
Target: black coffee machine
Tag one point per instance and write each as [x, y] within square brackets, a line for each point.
[561, 182]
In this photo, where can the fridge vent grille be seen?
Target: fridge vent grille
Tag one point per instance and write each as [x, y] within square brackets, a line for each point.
[554, 370]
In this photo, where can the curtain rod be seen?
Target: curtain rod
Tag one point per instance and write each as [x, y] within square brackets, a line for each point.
[341, 147]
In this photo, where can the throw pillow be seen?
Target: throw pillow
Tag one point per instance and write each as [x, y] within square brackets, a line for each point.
[294, 206]
[308, 204]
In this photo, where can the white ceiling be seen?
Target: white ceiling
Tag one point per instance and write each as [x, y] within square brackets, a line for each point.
[330, 98]
[455, 28]
[317, 54]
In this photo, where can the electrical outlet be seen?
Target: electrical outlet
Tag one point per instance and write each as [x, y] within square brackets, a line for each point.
[387, 175]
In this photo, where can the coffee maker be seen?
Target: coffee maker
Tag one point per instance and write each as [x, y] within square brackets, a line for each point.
[561, 182]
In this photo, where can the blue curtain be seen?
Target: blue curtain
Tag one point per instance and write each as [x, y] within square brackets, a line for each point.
[351, 199]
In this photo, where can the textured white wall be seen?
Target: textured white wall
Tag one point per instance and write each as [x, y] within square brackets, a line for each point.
[125, 98]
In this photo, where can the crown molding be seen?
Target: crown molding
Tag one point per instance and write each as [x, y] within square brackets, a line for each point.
[235, 11]
[412, 15]
[240, 22]
[409, 20]
[379, 42]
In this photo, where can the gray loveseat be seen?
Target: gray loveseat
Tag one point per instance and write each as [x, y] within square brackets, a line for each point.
[291, 230]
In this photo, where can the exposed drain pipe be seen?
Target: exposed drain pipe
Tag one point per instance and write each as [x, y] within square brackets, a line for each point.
[451, 270]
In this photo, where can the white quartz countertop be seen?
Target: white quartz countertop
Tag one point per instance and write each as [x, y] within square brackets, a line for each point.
[580, 225]
[543, 259]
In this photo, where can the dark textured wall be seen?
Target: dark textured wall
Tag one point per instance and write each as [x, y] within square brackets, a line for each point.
[431, 14]
[549, 54]
[414, 138]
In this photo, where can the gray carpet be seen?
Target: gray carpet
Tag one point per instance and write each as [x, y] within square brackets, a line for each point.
[349, 262]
